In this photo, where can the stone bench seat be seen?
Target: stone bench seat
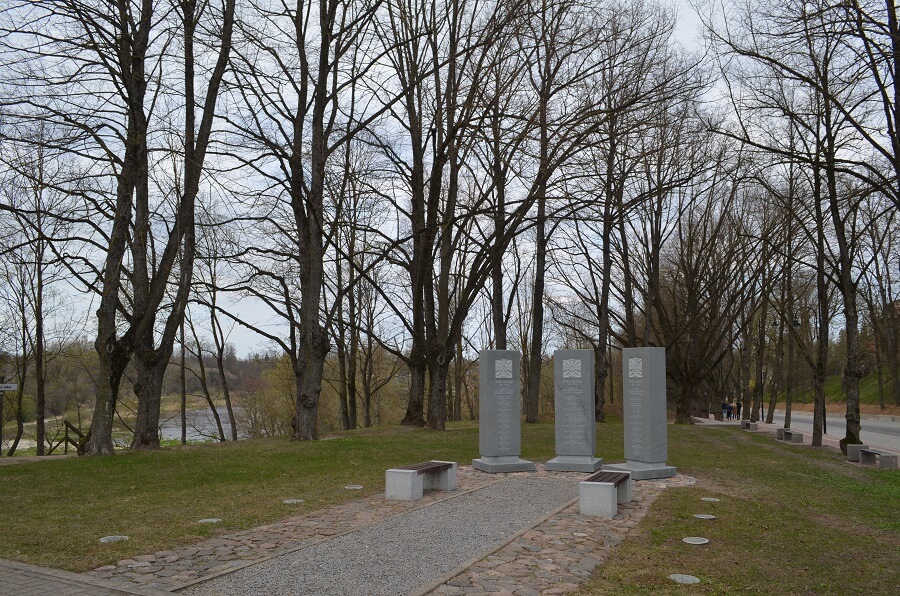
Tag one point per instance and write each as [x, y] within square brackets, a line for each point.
[884, 459]
[789, 436]
[599, 495]
[407, 483]
[747, 425]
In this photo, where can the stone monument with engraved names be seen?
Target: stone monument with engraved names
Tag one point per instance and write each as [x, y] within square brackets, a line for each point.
[499, 413]
[576, 430]
[644, 410]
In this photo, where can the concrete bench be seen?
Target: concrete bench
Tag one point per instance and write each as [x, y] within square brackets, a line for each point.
[885, 459]
[408, 483]
[600, 494]
[779, 434]
[747, 425]
[853, 451]
[790, 436]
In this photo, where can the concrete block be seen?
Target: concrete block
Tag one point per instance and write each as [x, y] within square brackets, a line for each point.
[601, 499]
[598, 499]
[883, 459]
[441, 480]
[623, 494]
[403, 485]
[853, 451]
[793, 436]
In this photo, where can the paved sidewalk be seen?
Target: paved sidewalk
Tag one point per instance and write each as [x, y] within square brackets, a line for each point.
[21, 579]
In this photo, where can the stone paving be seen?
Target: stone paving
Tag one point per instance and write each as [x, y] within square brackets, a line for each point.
[180, 567]
[556, 555]
[549, 558]
[22, 579]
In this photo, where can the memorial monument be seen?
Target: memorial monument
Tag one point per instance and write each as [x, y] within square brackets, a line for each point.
[499, 413]
[573, 395]
[644, 403]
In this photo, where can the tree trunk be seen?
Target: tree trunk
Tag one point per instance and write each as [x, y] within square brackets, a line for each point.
[437, 405]
[894, 357]
[111, 366]
[779, 374]
[852, 368]
[150, 370]
[342, 379]
[2, 413]
[20, 419]
[367, 374]
[532, 396]
[600, 384]
[684, 405]
[308, 370]
[760, 381]
[458, 381]
[182, 382]
[352, 358]
[226, 395]
[415, 407]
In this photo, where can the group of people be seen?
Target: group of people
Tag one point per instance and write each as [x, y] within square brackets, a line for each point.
[731, 410]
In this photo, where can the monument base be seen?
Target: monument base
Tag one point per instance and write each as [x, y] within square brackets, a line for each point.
[643, 470]
[574, 463]
[499, 465]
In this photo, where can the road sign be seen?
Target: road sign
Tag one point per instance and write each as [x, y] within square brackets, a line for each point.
[9, 387]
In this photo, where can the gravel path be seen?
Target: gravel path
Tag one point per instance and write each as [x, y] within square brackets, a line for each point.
[406, 552]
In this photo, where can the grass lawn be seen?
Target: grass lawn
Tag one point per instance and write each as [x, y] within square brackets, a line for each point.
[54, 512]
[791, 519]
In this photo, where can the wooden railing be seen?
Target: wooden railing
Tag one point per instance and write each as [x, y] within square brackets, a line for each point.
[70, 428]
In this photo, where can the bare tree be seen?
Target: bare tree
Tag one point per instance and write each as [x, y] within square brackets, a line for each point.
[103, 95]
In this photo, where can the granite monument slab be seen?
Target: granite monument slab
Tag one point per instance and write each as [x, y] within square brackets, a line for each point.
[499, 413]
[576, 430]
[644, 410]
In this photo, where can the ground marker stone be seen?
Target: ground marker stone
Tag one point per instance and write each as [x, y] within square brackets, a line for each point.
[709, 499]
[108, 539]
[704, 516]
[209, 520]
[292, 501]
[353, 487]
[681, 578]
[695, 540]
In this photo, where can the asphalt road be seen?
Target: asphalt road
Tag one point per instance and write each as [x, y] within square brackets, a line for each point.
[882, 433]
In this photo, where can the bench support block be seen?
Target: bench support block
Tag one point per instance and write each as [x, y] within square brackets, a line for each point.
[882, 458]
[601, 499]
[853, 451]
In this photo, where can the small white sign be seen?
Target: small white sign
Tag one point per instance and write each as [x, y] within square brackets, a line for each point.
[9, 387]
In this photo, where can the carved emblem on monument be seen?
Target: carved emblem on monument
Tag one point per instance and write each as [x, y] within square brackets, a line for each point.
[503, 369]
[635, 368]
[571, 369]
